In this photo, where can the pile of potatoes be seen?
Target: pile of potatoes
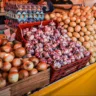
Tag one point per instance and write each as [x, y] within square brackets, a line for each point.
[80, 23]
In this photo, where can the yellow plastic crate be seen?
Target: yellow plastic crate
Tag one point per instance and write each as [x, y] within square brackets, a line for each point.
[81, 83]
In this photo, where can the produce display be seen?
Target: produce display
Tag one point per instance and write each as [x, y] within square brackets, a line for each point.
[52, 45]
[14, 64]
[80, 22]
[23, 13]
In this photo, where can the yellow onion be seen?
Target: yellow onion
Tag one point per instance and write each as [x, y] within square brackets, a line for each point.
[34, 60]
[42, 66]
[13, 77]
[16, 62]
[28, 65]
[18, 45]
[33, 71]
[8, 58]
[20, 52]
[23, 74]
[6, 66]
[6, 48]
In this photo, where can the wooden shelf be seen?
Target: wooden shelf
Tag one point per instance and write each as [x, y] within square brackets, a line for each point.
[2, 13]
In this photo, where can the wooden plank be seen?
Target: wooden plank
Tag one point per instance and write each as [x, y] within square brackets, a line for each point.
[37, 81]
[5, 92]
[29, 84]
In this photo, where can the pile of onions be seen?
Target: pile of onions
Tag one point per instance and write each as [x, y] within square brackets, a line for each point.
[13, 66]
[80, 23]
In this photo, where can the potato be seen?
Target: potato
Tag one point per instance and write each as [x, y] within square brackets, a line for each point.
[77, 35]
[81, 33]
[81, 39]
[92, 60]
[70, 29]
[69, 34]
[72, 24]
[74, 39]
[86, 38]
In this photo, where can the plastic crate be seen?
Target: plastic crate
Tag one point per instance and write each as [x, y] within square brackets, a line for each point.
[67, 69]
[19, 33]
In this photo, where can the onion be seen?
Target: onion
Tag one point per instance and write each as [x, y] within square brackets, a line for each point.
[13, 77]
[6, 48]
[16, 62]
[20, 52]
[1, 63]
[4, 41]
[34, 60]
[42, 66]
[23, 74]
[8, 58]
[77, 28]
[14, 69]
[12, 53]
[25, 59]
[2, 82]
[33, 71]
[28, 65]
[6, 66]
[2, 54]
[18, 45]
[5, 75]
[10, 44]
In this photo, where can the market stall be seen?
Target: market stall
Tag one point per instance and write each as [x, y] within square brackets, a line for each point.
[48, 49]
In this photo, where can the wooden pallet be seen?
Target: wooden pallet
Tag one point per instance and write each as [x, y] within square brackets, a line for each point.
[29, 84]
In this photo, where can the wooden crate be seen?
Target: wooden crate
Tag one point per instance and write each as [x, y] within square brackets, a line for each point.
[29, 84]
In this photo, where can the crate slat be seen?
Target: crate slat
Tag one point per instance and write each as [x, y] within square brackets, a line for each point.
[29, 84]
